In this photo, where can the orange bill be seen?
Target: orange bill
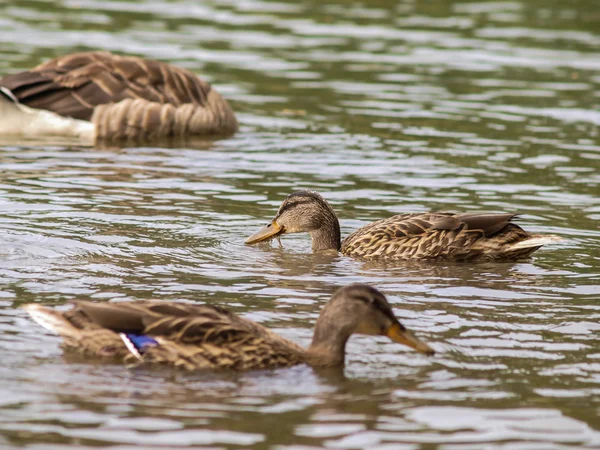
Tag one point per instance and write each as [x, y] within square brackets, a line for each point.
[266, 233]
[399, 334]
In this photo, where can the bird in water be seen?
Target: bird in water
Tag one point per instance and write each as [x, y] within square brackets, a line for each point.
[99, 95]
[211, 337]
[427, 235]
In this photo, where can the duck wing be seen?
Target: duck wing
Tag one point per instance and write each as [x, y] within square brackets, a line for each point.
[438, 236]
[183, 335]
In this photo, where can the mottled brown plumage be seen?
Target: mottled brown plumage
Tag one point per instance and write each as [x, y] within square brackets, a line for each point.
[124, 96]
[210, 337]
[461, 237]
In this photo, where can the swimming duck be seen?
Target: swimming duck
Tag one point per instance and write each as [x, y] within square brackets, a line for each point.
[99, 95]
[210, 337]
[435, 235]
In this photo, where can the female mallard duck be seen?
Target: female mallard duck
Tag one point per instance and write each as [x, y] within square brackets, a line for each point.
[405, 236]
[98, 95]
[210, 337]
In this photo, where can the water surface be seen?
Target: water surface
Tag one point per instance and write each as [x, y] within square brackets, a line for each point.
[383, 107]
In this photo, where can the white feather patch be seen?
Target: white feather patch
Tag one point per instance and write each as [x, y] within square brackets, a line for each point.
[130, 346]
[9, 94]
[17, 119]
[536, 241]
[44, 318]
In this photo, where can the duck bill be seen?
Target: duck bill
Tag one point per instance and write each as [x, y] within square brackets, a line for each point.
[398, 333]
[268, 232]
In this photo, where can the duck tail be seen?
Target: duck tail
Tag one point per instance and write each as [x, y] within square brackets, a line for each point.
[536, 240]
[52, 320]
[526, 247]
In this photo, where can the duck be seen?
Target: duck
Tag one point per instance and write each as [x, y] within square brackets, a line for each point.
[197, 337]
[420, 235]
[99, 95]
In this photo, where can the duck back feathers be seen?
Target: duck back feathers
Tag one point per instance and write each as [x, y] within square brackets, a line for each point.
[442, 236]
[187, 336]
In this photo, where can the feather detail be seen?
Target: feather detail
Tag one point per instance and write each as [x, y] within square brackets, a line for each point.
[137, 344]
[428, 235]
[9, 95]
[183, 335]
[123, 96]
[210, 337]
[131, 346]
[51, 320]
[460, 237]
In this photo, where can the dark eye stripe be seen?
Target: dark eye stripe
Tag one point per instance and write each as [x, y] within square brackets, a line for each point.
[379, 304]
[288, 206]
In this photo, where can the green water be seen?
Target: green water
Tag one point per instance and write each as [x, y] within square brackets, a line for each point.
[383, 107]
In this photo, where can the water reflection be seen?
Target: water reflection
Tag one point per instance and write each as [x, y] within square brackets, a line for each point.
[384, 108]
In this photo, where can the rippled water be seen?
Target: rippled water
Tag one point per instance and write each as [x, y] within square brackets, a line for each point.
[383, 107]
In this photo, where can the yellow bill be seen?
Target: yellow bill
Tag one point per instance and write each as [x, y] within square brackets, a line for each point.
[401, 335]
[266, 233]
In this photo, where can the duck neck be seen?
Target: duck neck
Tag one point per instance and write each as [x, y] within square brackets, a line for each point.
[328, 236]
[328, 347]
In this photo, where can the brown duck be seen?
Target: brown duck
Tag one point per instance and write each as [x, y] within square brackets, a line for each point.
[211, 337]
[98, 95]
[460, 237]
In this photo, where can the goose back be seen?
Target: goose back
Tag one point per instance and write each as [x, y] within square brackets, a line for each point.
[124, 96]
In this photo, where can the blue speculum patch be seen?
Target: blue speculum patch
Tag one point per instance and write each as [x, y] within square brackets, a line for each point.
[141, 342]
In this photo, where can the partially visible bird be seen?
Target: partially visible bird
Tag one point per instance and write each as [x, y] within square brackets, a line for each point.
[427, 235]
[210, 337]
[99, 95]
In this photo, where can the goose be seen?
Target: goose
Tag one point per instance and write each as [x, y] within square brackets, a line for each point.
[102, 96]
